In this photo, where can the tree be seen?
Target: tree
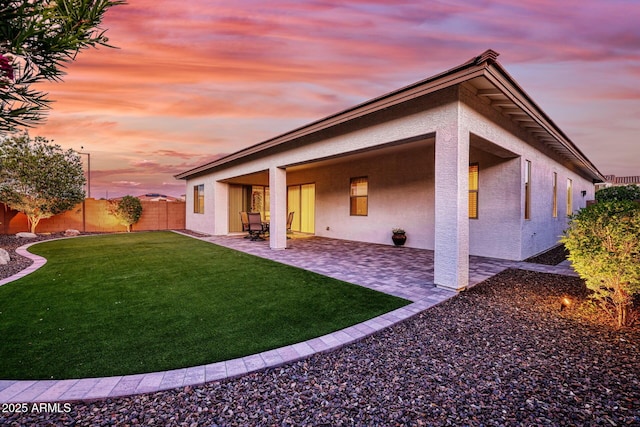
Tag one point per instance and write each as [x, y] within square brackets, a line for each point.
[604, 247]
[37, 39]
[127, 210]
[38, 178]
[621, 192]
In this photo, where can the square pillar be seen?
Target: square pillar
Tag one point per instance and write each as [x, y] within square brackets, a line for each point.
[278, 208]
[451, 250]
[219, 205]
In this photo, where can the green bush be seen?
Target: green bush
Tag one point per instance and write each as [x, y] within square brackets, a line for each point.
[604, 246]
[612, 194]
[127, 210]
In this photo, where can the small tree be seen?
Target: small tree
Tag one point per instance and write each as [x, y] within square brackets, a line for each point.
[617, 193]
[127, 210]
[38, 178]
[604, 246]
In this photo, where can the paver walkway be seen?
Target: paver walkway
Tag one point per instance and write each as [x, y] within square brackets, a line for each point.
[404, 272]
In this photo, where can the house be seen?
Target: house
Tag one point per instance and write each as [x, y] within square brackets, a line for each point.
[154, 197]
[465, 161]
[616, 181]
[157, 197]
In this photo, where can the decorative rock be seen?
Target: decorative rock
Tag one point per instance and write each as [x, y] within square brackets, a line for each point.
[26, 235]
[71, 233]
[4, 257]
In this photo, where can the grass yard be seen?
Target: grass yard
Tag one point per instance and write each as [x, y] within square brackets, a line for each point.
[142, 302]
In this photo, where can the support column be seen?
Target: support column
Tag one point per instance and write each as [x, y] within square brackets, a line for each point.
[451, 251]
[219, 206]
[278, 207]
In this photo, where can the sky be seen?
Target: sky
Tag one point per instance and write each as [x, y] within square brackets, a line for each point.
[194, 80]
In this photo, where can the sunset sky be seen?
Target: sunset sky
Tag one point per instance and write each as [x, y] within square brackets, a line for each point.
[194, 80]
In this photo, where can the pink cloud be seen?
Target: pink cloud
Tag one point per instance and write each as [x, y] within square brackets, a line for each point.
[126, 183]
[144, 164]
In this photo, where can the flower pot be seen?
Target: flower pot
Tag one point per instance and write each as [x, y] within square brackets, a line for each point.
[399, 238]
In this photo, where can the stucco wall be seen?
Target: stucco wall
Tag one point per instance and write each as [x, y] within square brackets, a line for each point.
[202, 222]
[542, 230]
[401, 186]
[498, 207]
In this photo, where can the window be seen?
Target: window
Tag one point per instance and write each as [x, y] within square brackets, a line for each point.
[359, 196]
[473, 191]
[198, 198]
[260, 201]
[555, 195]
[569, 196]
[527, 189]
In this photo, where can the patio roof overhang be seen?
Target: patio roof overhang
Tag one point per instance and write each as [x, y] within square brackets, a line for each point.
[483, 75]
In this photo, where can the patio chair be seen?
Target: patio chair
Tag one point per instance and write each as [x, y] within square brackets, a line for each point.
[244, 218]
[289, 222]
[256, 227]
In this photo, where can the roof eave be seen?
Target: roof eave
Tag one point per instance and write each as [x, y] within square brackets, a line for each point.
[500, 78]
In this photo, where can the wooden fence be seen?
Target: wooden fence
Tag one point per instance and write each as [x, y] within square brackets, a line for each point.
[92, 216]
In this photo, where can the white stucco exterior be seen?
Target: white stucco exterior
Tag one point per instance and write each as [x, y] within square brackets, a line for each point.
[414, 146]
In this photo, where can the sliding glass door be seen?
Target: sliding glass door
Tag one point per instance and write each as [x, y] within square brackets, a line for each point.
[301, 199]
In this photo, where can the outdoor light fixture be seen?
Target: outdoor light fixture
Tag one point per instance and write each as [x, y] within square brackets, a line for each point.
[584, 193]
[565, 303]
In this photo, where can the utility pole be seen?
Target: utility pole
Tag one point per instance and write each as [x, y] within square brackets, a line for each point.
[88, 171]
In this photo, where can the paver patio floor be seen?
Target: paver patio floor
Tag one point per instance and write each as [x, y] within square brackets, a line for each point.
[400, 271]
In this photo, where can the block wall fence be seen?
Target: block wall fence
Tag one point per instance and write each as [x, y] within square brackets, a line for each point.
[92, 216]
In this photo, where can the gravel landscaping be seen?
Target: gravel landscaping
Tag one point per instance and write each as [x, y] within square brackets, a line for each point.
[10, 243]
[553, 256]
[501, 353]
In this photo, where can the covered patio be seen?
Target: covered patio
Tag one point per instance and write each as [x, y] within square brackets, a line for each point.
[401, 271]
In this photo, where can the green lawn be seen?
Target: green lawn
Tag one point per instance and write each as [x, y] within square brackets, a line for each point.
[142, 302]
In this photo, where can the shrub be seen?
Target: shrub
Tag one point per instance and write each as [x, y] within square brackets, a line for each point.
[127, 210]
[619, 193]
[604, 246]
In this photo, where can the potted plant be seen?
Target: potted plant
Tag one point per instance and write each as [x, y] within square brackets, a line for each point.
[399, 236]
